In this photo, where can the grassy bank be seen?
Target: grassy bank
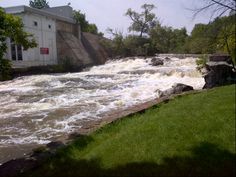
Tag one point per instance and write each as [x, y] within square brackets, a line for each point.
[191, 135]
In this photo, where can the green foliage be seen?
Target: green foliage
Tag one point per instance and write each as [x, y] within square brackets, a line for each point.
[12, 27]
[183, 137]
[168, 40]
[137, 46]
[201, 62]
[226, 38]
[39, 4]
[84, 24]
[116, 45]
[199, 42]
[5, 69]
[144, 21]
[66, 64]
[216, 37]
[81, 19]
[129, 46]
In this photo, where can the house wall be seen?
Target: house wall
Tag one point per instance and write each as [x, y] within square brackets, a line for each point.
[45, 37]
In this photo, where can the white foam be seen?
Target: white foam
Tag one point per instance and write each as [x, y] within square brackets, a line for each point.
[85, 95]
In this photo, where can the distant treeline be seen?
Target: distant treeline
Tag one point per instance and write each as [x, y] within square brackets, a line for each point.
[218, 36]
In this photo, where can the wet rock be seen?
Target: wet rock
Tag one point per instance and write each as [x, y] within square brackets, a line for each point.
[219, 73]
[156, 61]
[177, 89]
[118, 57]
[218, 58]
[55, 145]
[167, 59]
[15, 167]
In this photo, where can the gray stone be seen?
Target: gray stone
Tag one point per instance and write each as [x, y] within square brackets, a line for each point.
[177, 89]
[167, 59]
[218, 58]
[55, 145]
[219, 73]
[156, 61]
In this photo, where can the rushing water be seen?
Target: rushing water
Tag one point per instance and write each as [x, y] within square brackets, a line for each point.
[37, 109]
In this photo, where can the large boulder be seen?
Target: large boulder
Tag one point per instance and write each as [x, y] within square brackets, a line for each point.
[218, 58]
[177, 89]
[219, 73]
[156, 61]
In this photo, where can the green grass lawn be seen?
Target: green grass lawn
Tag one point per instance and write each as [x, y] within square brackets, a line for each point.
[192, 135]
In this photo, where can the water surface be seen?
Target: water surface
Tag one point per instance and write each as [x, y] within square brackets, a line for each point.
[42, 108]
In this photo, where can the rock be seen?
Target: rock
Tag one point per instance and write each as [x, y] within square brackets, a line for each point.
[218, 58]
[167, 59]
[55, 145]
[15, 167]
[156, 61]
[219, 73]
[177, 89]
[118, 57]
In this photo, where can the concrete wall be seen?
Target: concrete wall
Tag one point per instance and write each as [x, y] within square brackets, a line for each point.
[70, 48]
[93, 46]
[65, 11]
[45, 34]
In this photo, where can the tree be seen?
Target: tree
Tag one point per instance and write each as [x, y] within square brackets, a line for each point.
[117, 44]
[216, 37]
[39, 4]
[226, 38]
[144, 21]
[200, 41]
[166, 39]
[217, 7]
[84, 24]
[81, 19]
[12, 27]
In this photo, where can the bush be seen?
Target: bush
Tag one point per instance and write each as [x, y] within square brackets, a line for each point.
[66, 64]
[201, 62]
[5, 69]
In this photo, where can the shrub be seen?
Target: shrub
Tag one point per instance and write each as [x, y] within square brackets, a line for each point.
[201, 62]
[5, 69]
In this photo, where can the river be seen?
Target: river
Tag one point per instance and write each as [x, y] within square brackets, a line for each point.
[42, 108]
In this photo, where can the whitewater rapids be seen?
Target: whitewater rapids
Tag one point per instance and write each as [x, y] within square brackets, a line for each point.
[39, 108]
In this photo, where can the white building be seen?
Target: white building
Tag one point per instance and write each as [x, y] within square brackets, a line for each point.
[43, 25]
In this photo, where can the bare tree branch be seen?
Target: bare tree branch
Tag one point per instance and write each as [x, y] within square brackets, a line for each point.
[217, 7]
[225, 5]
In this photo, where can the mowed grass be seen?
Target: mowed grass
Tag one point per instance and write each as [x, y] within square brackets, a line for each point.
[192, 135]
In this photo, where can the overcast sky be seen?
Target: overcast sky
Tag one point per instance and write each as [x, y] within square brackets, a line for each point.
[110, 13]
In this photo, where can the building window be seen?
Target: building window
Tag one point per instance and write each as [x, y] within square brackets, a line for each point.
[49, 26]
[19, 52]
[13, 51]
[16, 51]
[35, 23]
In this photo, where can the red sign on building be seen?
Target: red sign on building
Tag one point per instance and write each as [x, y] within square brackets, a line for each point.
[44, 51]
